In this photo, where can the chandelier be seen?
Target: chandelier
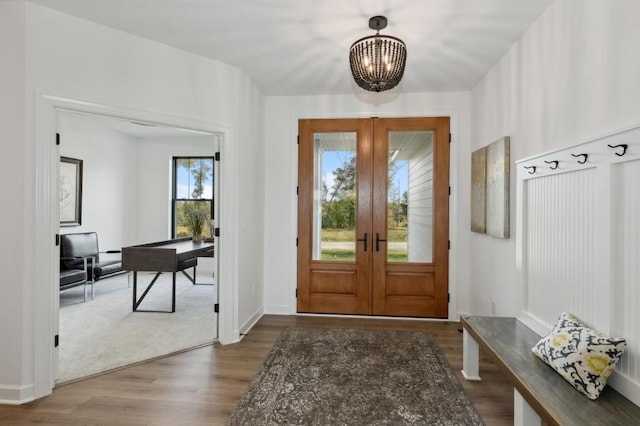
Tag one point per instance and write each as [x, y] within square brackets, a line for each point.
[377, 61]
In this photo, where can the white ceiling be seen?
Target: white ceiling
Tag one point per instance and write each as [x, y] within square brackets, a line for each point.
[138, 129]
[300, 47]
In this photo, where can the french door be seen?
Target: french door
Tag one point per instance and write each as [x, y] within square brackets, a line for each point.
[373, 216]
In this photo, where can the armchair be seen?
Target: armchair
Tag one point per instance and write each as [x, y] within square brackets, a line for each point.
[83, 247]
[73, 277]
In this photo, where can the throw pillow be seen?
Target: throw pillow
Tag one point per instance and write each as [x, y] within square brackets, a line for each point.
[582, 356]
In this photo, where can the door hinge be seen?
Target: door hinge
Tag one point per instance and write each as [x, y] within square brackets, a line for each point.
[57, 138]
[449, 137]
[216, 308]
[297, 190]
[448, 297]
[56, 341]
[449, 244]
[298, 140]
[216, 232]
[296, 242]
[449, 191]
[217, 157]
[57, 240]
[296, 293]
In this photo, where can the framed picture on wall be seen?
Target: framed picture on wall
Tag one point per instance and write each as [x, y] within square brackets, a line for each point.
[490, 189]
[70, 191]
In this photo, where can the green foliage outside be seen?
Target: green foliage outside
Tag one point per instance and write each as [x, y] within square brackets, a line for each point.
[339, 208]
[350, 256]
[348, 235]
[339, 204]
[188, 213]
[194, 216]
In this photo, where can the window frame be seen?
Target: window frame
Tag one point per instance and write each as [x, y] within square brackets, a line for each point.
[174, 184]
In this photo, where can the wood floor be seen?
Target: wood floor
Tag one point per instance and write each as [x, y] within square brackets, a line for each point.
[203, 386]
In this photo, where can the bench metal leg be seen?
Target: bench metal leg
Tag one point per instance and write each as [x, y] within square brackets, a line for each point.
[523, 414]
[470, 357]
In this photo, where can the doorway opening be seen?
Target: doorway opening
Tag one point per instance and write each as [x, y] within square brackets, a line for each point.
[373, 216]
[126, 200]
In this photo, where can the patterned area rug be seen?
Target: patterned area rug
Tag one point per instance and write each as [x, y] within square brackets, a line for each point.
[355, 377]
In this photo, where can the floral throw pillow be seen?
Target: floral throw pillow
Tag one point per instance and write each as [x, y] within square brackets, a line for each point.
[582, 356]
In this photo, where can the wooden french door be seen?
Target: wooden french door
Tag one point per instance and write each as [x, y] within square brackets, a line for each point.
[373, 216]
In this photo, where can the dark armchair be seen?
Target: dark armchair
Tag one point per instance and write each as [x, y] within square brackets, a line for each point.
[75, 249]
[76, 276]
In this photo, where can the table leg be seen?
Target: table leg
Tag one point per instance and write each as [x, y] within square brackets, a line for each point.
[135, 288]
[470, 357]
[173, 296]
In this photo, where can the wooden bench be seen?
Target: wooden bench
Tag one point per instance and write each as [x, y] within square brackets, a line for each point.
[540, 394]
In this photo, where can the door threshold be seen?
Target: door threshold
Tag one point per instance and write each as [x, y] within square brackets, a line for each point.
[307, 314]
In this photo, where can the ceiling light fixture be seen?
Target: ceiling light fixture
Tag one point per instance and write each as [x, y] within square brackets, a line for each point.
[378, 61]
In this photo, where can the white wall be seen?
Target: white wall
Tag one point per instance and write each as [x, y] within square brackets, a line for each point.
[282, 114]
[50, 53]
[154, 179]
[109, 184]
[14, 224]
[251, 232]
[573, 76]
[420, 204]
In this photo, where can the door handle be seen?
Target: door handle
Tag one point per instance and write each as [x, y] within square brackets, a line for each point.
[378, 241]
[364, 240]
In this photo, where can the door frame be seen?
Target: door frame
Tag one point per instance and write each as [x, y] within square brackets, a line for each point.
[45, 225]
[441, 197]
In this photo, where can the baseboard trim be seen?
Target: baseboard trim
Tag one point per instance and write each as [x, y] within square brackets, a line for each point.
[16, 395]
[253, 319]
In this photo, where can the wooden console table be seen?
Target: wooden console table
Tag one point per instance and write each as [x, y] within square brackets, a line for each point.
[164, 256]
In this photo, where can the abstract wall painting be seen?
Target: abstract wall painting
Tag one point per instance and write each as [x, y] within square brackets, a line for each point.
[490, 189]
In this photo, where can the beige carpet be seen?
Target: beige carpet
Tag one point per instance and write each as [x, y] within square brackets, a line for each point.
[355, 377]
[103, 333]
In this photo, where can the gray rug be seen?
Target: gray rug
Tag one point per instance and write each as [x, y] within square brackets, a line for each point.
[355, 377]
[103, 333]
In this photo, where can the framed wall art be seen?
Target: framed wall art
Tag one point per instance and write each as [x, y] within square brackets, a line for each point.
[478, 190]
[490, 189]
[70, 191]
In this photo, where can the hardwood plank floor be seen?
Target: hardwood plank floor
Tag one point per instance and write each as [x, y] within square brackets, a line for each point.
[204, 385]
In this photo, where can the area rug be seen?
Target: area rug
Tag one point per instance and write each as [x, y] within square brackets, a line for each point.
[355, 377]
[102, 334]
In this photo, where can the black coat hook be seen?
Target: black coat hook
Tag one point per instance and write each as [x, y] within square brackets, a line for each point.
[554, 162]
[624, 147]
[533, 169]
[584, 159]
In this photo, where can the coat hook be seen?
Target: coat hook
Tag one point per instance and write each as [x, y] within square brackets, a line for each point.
[554, 162]
[533, 169]
[624, 147]
[584, 159]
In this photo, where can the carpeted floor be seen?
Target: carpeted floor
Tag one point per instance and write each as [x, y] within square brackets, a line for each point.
[355, 377]
[103, 333]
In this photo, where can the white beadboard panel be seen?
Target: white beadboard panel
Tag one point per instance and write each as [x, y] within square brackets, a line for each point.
[627, 265]
[561, 254]
[578, 242]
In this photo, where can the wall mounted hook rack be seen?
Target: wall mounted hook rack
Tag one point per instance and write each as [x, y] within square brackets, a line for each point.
[584, 157]
[624, 147]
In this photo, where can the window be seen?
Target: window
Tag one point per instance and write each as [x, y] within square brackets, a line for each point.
[192, 193]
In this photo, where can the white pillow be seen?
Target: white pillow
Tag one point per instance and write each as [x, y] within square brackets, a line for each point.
[584, 357]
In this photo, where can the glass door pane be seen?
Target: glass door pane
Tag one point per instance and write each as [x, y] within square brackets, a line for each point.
[334, 204]
[410, 197]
